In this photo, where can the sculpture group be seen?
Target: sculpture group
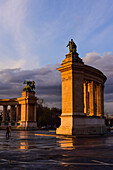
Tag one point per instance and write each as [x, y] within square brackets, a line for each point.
[30, 86]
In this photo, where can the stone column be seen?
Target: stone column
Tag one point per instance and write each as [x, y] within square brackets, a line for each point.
[102, 100]
[86, 98]
[96, 98]
[99, 106]
[4, 113]
[12, 112]
[18, 112]
[92, 98]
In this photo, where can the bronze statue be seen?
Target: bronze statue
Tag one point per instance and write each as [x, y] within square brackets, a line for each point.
[30, 86]
[72, 49]
[72, 46]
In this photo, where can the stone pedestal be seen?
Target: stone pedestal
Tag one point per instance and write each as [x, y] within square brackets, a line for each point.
[91, 125]
[82, 125]
[72, 93]
[28, 110]
[66, 127]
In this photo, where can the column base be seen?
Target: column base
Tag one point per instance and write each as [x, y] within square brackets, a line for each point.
[27, 125]
[64, 131]
[82, 125]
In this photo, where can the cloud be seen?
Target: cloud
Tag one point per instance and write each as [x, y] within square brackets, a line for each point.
[108, 107]
[47, 80]
[11, 63]
[103, 61]
[16, 38]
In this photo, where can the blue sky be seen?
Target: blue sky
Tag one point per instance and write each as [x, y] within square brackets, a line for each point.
[34, 35]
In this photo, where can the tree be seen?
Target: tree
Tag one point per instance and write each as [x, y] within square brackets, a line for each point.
[46, 116]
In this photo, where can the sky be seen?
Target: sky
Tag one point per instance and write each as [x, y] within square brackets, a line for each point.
[33, 39]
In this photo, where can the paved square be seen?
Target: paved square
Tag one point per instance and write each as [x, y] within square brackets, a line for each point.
[46, 150]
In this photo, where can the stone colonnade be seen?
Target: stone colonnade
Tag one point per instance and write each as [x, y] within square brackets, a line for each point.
[93, 98]
[22, 112]
[14, 113]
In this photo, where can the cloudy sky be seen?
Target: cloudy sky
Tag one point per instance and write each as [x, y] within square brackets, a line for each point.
[33, 39]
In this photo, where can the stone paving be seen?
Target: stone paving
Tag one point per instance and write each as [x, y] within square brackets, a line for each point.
[46, 150]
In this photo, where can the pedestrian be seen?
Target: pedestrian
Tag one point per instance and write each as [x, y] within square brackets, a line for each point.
[7, 132]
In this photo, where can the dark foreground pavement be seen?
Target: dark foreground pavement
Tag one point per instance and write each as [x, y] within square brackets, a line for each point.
[41, 150]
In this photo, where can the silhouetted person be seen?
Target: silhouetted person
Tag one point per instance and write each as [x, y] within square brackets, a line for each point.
[7, 132]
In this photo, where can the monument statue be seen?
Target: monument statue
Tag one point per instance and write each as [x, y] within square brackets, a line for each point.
[73, 50]
[72, 46]
[30, 86]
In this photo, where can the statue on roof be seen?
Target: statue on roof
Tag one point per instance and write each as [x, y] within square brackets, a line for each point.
[72, 46]
[73, 50]
[30, 86]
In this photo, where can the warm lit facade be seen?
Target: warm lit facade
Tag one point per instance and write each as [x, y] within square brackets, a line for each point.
[82, 97]
[22, 112]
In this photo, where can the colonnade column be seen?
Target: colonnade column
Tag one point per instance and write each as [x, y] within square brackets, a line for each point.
[92, 98]
[18, 112]
[4, 112]
[99, 99]
[12, 113]
[102, 100]
[86, 100]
